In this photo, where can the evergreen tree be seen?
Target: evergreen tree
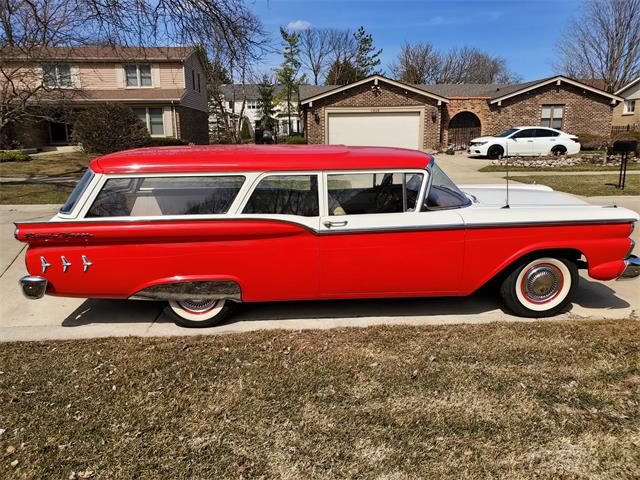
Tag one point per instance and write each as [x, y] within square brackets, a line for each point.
[288, 73]
[366, 55]
[266, 105]
[341, 72]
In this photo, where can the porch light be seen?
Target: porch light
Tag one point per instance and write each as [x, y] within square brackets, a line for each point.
[375, 89]
[434, 115]
[316, 117]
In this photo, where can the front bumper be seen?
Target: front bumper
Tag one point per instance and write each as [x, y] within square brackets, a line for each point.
[478, 149]
[33, 287]
[632, 267]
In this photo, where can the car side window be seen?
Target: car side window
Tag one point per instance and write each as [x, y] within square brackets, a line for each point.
[528, 133]
[543, 132]
[159, 196]
[285, 195]
[363, 193]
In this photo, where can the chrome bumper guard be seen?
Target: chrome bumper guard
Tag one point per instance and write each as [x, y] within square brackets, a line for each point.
[33, 287]
[632, 269]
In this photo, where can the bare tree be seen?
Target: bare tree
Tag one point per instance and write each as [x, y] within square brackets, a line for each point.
[603, 43]
[417, 63]
[421, 63]
[341, 57]
[315, 50]
[30, 29]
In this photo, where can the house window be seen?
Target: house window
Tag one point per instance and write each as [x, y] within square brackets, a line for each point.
[252, 104]
[138, 75]
[152, 118]
[552, 116]
[629, 107]
[198, 82]
[57, 75]
[193, 79]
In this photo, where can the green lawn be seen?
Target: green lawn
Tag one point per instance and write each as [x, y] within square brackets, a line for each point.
[33, 193]
[587, 185]
[53, 165]
[519, 401]
[575, 168]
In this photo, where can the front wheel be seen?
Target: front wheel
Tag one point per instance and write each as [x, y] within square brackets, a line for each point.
[198, 313]
[541, 287]
[496, 152]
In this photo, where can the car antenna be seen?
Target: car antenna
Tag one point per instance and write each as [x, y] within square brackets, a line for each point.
[506, 157]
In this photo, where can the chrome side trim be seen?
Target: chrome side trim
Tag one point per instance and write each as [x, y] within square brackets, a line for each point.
[632, 268]
[33, 287]
[44, 264]
[65, 263]
[196, 290]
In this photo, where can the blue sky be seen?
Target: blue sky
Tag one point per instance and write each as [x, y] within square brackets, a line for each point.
[524, 32]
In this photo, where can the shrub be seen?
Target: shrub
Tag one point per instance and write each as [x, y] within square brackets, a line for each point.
[166, 142]
[589, 141]
[296, 140]
[245, 130]
[14, 156]
[108, 128]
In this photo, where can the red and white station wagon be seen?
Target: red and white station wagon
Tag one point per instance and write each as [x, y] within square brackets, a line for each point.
[203, 228]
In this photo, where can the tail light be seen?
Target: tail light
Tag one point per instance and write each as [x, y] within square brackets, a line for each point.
[575, 139]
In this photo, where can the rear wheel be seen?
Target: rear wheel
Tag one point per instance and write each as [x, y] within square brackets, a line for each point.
[198, 313]
[559, 150]
[541, 287]
[496, 152]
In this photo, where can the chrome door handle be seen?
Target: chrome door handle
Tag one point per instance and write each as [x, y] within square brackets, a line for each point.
[330, 224]
[530, 141]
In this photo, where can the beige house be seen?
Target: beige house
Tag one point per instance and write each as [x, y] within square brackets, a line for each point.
[165, 86]
[627, 114]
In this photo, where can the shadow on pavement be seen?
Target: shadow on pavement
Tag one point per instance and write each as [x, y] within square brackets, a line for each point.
[589, 295]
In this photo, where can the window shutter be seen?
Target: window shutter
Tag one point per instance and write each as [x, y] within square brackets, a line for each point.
[120, 75]
[75, 76]
[155, 75]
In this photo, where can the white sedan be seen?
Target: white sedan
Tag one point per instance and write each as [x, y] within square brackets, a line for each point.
[525, 141]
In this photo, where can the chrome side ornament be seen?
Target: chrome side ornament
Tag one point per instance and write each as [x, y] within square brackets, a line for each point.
[44, 264]
[85, 263]
[65, 263]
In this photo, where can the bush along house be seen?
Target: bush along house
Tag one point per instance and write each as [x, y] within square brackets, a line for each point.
[165, 87]
[382, 112]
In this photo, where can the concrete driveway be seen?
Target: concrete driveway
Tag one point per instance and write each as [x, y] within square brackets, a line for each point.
[68, 318]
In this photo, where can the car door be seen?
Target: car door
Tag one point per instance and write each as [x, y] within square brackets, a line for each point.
[543, 141]
[375, 240]
[520, 143]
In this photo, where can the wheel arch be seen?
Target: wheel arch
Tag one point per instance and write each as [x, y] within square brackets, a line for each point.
[507, 267]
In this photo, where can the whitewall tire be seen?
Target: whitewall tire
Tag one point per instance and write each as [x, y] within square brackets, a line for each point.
[198, 313]
[540, 287]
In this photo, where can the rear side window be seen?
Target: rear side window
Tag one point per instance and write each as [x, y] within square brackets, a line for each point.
[285, 195]
[158, 196]
[363, 193]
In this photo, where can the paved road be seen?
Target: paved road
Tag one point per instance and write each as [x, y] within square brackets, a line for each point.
[65, 318]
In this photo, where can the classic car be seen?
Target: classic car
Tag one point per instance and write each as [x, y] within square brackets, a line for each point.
[204, 228]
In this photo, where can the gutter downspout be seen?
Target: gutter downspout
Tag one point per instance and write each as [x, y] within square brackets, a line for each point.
[173, 120]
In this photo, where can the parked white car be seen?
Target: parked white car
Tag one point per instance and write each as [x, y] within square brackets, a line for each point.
[525, 141]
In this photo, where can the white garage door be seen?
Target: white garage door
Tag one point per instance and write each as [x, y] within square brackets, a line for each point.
[383, 129]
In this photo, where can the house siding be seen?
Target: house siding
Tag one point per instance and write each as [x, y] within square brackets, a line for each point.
[192, 98]
[621, 119]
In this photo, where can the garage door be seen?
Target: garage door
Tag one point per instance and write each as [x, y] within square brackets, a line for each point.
[382, 129]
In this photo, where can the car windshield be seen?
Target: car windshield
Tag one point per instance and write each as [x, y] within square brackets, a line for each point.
[77, 192]
[506, 133]
[443, 193]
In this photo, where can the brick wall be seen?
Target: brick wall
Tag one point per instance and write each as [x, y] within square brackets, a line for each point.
[584, 111]
[477, 105]
[362, 96]
[193, 125]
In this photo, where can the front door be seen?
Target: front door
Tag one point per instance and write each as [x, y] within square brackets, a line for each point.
[60, 133]
[375, 242]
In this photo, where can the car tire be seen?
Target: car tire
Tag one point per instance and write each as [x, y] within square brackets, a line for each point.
[559, 150]
[496, 152]
[540, 287]
[198, 313]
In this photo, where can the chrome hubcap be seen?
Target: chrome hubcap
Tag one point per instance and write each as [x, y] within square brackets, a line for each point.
[198, 306]
[542, 283]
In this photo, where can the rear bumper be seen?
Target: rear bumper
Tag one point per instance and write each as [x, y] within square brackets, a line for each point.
[632, 268]
[33, 287]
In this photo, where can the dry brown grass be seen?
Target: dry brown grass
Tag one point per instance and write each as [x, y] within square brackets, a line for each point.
[534, 400]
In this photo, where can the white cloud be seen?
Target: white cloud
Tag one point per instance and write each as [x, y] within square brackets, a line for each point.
[299, 25]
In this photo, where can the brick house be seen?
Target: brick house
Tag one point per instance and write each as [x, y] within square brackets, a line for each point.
[165, 86]
[380, 111]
